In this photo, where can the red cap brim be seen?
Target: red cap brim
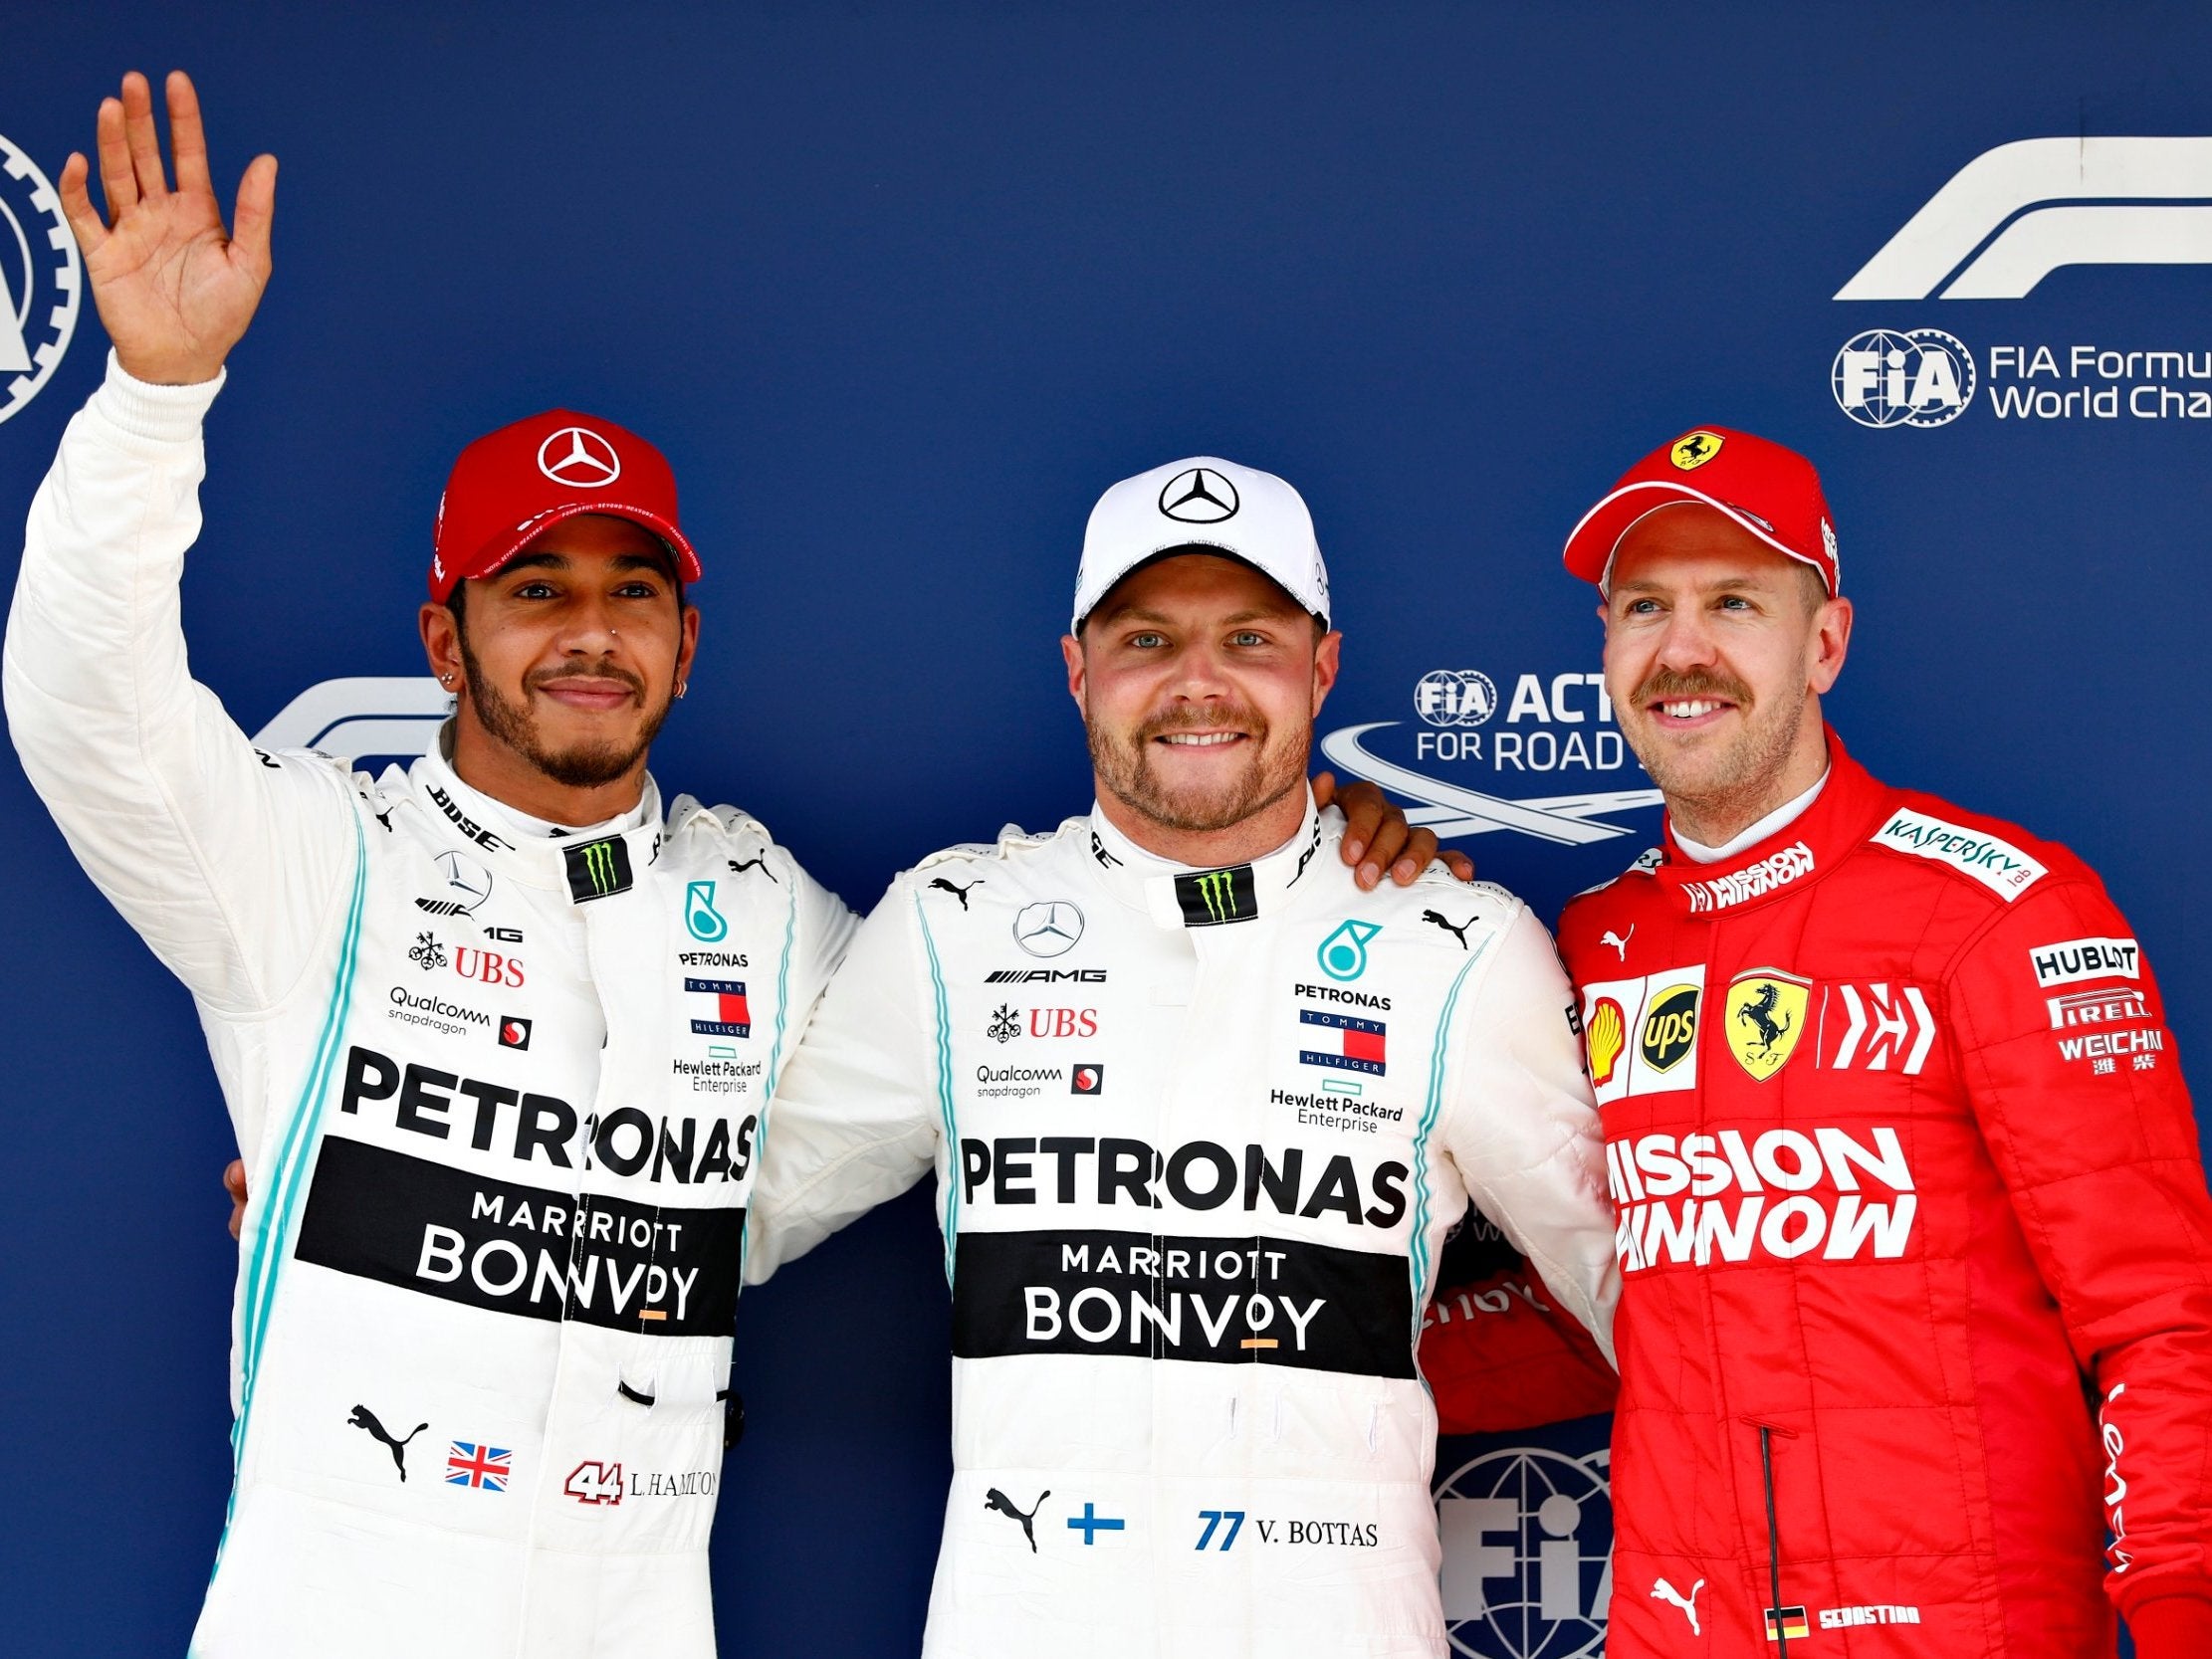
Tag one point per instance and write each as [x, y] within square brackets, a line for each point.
[494, 553]
[1591, 544]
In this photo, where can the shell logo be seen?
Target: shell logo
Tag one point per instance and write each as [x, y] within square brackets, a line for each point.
[1608, 1036]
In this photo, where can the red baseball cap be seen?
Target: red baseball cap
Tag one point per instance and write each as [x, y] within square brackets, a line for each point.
[1770, 491]
[522, 480]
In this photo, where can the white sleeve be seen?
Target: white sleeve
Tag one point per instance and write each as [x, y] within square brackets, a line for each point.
[857, 1116]
[1523, 1129]
[228, 862]
[823, 928]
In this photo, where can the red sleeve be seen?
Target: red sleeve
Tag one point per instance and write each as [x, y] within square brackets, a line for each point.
[1500, 1354]
[2079, 1093]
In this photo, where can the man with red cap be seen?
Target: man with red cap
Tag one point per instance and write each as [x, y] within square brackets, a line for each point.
[496, 1032]
[1899, 1146]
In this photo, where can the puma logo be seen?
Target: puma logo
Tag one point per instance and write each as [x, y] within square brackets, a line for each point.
[758, 861]
[1459, 932]
[1664, 1591]
[1618, 942]
[998, 1502]
[363, 1418]
[959, 893]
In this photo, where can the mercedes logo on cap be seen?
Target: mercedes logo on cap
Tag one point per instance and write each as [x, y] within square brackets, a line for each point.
[1049, 929]
[1198, 496]
[580, 457]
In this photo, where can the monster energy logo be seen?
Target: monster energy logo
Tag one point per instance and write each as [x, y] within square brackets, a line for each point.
[1218, 896]
[597, 869]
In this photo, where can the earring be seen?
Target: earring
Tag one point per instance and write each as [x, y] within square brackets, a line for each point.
[679, 690]
[446, 679]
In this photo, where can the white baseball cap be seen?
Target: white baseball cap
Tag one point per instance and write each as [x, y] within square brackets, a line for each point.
[1207, 504]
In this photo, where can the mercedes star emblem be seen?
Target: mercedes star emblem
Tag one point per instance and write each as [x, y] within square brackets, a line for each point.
[1198, 496]
[1048, 929]
[580, 457]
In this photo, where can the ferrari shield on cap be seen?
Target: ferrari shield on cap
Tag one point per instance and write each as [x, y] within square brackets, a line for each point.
[1771, 491]
[1202, 504]
[519, 482]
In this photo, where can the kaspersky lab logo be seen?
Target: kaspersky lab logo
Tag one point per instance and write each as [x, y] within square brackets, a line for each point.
[597, 869]
[1215, 897]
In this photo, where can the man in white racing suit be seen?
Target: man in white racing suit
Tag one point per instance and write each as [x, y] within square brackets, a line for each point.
[495, 1034]
[1199, 1117]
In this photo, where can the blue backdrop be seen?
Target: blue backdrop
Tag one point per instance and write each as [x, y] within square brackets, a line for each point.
[901, 289]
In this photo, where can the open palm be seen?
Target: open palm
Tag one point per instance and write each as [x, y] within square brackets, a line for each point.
[174, 290]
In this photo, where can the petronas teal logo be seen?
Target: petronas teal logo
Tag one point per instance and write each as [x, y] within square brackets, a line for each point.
[1343, 954]
[701, 917]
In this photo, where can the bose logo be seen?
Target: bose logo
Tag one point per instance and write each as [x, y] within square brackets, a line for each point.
[2129, 201]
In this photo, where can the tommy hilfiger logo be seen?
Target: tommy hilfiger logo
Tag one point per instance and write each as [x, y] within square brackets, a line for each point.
[1215, 897]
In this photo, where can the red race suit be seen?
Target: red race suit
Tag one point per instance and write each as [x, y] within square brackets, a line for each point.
[1916, 1247]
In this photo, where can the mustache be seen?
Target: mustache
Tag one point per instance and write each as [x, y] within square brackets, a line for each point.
[608, 671]
[1665, 682]
[1217, 719]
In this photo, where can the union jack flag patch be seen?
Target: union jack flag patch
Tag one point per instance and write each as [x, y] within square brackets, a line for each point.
[489, 1466]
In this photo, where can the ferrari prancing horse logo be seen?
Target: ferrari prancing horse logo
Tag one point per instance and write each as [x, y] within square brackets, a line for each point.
[1693, 449]
[1765, 1016]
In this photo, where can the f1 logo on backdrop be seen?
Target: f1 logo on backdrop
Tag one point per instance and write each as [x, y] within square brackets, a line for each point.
[41, 282]
[2015, 214]
[362, 719]
[2004, 222]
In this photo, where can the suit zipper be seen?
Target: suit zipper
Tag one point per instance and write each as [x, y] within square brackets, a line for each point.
[1774, 1541]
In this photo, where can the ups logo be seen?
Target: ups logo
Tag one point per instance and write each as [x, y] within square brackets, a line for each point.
[1670, 1027]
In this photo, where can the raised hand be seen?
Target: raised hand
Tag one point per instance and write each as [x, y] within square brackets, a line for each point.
[173, 289]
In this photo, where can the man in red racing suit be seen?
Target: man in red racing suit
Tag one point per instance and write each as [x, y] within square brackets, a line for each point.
[1902, 1154]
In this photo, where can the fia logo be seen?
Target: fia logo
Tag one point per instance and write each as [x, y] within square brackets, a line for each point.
[1527, 1554]
[41, 281]
[1456, 697]
[1913, 377]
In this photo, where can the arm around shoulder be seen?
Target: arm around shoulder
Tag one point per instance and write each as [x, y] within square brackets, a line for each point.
[1523, 1129]
[858, 1114]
